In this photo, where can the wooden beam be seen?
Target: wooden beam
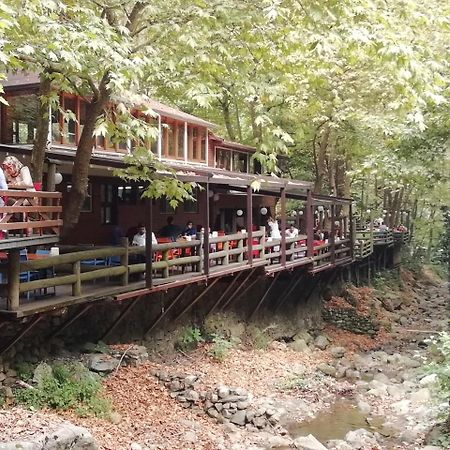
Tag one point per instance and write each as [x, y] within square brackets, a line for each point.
[206, 235]
[148, 242]
[265, 295]
[51, 172]
[310, 226]
[332, 238]
[250, 225]
[238, 290]
[167, 310]
[21, 334]
[283, 226]
[71, 320]
[224, 294]
[197, 299]
[122, 316]
[13, 279]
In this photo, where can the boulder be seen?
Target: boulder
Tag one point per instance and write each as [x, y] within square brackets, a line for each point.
[421, 396]
[327, 369]
[321, 342]
[278, 441]
[308, 443]
[69, 436]
[19, 445]
[238, 418]
[42, 371]
[361, 438]
[337, 352]
[299, 345]
[429, 380]
[101, 363]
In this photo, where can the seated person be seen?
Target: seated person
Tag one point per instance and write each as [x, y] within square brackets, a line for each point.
[402, 228]
[139, 237]
[292, 231]
[170, 230]
[383, 227]
[18, 175]
[190, 230]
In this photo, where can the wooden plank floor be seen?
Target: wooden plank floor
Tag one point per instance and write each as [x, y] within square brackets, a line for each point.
[108, 289]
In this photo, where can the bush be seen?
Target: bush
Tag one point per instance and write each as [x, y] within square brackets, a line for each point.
[67, 387]
[190, 338]
[220, 347]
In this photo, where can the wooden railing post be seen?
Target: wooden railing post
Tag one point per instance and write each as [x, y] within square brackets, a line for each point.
[262, 242]
[124, 261]
[332, 239]
[200, 253]
[241, 246]
[165, 258]
[353, 231]
[310, 225]
[226, 258]
[76, 286]
[249, 225]
[283, 226]
[13, 279]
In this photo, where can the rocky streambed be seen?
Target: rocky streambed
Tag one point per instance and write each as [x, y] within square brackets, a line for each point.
[326, 389]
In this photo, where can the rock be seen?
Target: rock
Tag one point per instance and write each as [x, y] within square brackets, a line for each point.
[308, 443]
[337, 444]
[2, 377]
[409, 362]
[278, 441]
[42, 371]
[242, 405]
[327, 369]
[191, 395]
[212, 412]
[402, 407]
[382, 378]
[223, 391]
[361, 438]
[364, 407]
[11, 373]
[395, 392]
[259, 422]
[238, 418]
[250, 415]
[429, 380]
[102, 363]
[299, 345]
[176, 386]
[71, 437]
[190, 380]
[337, 352]
[321, 342]
[430, 447]
[135, 446]
[305, 336]
[218, 406]
[403, 321]
[421, 396]
[115, 418]
[190, 437]
[19, 445]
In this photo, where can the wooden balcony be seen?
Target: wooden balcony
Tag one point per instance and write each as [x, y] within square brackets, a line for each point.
[363, 244]
[29, 218]
[383, 238]
[401, 237]
[118, 272]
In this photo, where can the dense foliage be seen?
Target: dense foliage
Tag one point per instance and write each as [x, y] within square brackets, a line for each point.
[355, 92]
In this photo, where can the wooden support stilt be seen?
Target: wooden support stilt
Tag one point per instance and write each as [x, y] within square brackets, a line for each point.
[122, 316]
[238, 290]
[240, 294]
[265, 295]
[22, 333]
[197, 299]
[167, 310]
[225, 293]
[288, 292]
[313, 287]
[357, 275]
[71, 320]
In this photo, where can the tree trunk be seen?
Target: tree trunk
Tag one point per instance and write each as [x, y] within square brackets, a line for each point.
[321, 160]
[42, 129]
[80, 170]
[225, 103]
[238, 121]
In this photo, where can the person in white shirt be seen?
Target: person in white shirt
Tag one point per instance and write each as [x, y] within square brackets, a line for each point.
[3, 185]
[292, 231]
[139, 237]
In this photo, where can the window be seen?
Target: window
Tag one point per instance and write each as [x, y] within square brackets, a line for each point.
[223, 159]
[256, 166]
[180, 141]
[165, 207]
[191, 206]
[21, 118]
[197, 144]
[126, 195]
[108, 208]
[240, 162]
[70, 126]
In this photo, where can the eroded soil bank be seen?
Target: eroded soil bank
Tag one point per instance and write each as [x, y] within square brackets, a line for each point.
[330, 383]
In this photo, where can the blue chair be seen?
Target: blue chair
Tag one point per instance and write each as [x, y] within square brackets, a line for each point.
[49, 272]
[27, 275]
[113, 261]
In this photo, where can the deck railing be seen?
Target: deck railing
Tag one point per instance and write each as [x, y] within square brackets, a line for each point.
[121, 265]
[401, 237]
[363, 244]
[30, 213]
[383, 237]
